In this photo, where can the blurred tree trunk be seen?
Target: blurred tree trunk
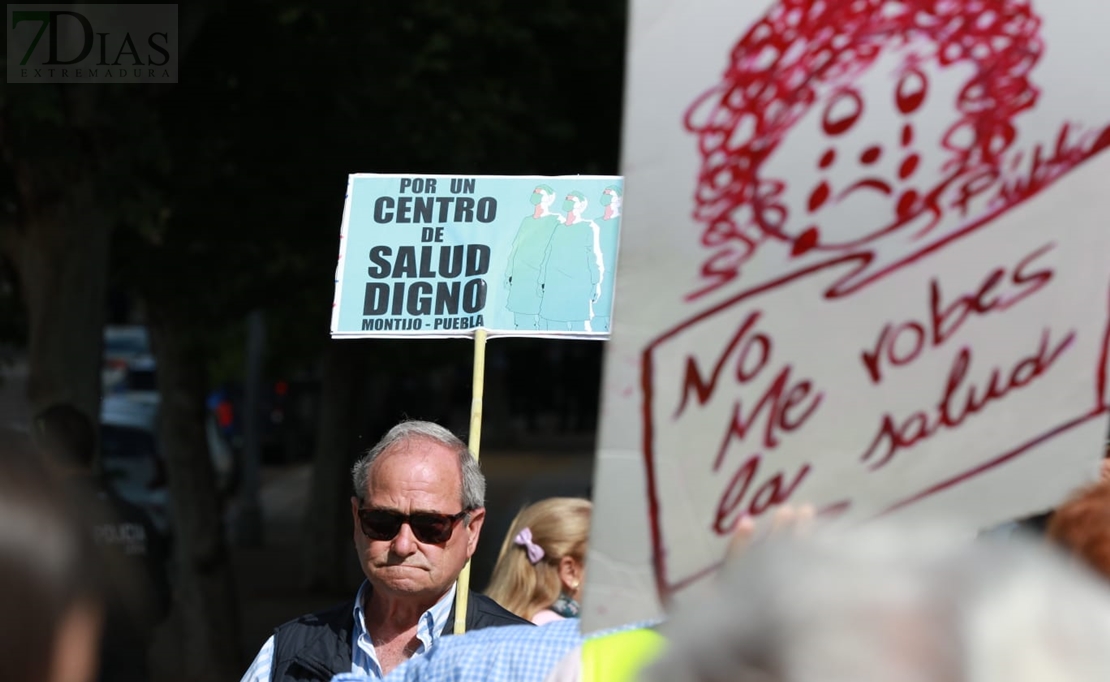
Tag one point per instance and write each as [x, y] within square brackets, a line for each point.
[56, 235]
[61, 145]
[206, 604]
[327, 536]
[61, 254]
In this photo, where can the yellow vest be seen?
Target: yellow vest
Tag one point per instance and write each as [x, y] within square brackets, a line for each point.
[619, 657]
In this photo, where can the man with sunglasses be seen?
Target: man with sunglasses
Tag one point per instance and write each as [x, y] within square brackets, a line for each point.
[418, 509]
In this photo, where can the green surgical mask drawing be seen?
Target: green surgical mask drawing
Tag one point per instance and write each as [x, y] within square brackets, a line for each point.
[606, 199]
[568, 205]
[537, 198]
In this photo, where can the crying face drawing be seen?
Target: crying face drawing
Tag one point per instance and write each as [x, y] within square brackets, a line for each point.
[838, 123]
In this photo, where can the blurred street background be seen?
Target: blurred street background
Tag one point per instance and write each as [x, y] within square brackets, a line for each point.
[167, 262]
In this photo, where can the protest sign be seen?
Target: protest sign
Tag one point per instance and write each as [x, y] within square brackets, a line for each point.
[870, 274]
[436, 255]
[477, 257]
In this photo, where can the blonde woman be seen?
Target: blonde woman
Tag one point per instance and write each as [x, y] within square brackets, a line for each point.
[541, 566]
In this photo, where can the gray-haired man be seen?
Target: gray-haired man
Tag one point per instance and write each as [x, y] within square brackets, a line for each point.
[418, 509]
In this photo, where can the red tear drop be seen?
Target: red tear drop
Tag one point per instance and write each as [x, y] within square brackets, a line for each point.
[819, 196]
[805, 241]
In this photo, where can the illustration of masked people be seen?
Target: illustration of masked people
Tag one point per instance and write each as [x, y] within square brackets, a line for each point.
[522, 275]
[608, 236]
[572, 272]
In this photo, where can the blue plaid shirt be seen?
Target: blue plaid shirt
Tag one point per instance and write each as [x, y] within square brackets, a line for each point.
[364, 660]
[512, 653]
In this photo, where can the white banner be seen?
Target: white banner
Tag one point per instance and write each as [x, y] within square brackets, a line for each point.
[870, 274]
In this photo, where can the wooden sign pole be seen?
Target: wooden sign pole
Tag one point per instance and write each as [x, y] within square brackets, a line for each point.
[462, 590]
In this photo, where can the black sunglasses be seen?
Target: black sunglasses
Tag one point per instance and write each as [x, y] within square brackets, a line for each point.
[428, 527]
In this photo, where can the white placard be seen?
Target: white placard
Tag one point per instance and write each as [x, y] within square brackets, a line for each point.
[870, 273]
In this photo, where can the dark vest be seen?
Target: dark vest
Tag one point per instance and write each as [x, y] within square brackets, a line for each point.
[318, 646]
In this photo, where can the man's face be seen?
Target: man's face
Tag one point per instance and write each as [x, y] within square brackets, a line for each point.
[416, 476]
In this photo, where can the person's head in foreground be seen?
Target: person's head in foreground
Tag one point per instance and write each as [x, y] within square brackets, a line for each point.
[418, 509]
[1081, 527]
[67, 438]
[51, 619]
[540, 569]
[892, 605]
